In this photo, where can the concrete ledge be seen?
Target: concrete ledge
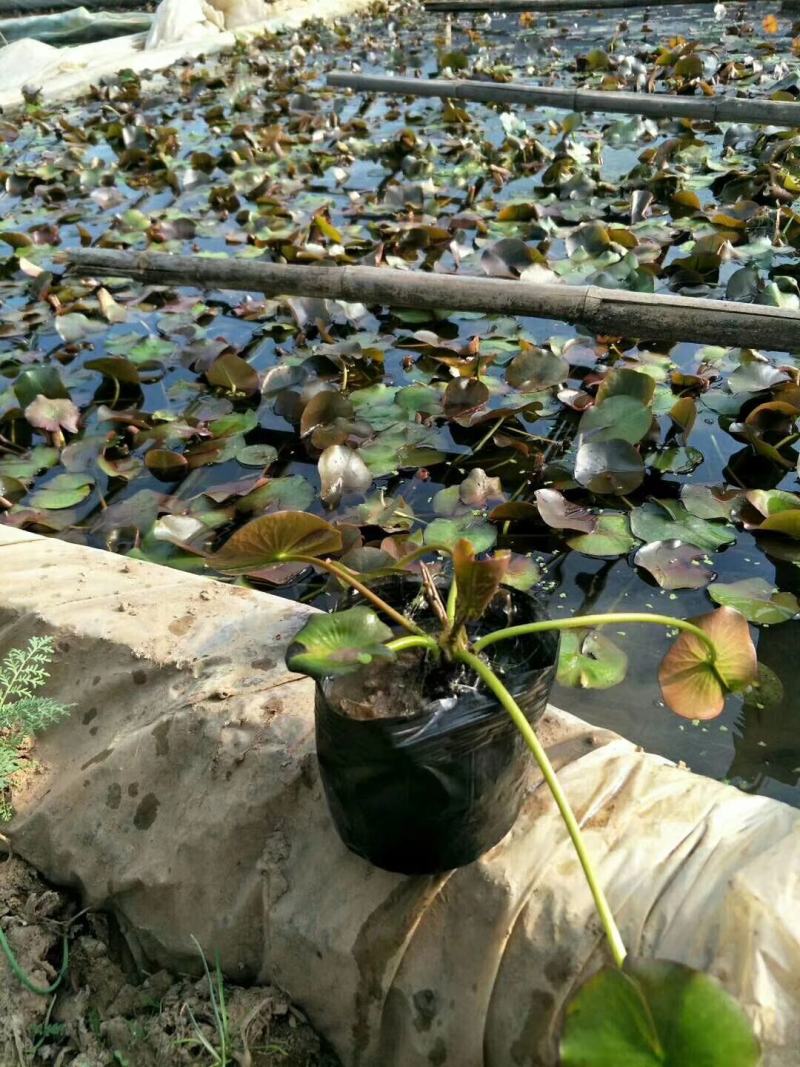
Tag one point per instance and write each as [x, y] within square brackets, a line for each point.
[183, 795]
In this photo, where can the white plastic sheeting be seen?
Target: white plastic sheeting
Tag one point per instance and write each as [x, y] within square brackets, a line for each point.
[70, 71]
[183, 794]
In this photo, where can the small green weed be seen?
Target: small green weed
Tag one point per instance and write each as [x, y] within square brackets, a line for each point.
[22, 712]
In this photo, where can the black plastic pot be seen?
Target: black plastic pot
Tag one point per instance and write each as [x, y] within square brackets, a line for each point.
[425, 793]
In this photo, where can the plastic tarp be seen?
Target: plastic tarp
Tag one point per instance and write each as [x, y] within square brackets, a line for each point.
[183, 793]
[177, 20]
[77, 26]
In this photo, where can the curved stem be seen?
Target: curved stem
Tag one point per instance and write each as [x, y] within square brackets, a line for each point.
[613, 936]
[423, 641]
[349, 578]
[21, 976]
[578, 622]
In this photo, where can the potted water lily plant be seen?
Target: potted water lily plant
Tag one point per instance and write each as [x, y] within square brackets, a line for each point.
[430, 678]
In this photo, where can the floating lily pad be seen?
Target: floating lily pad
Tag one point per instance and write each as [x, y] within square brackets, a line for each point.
[757, 599]
[619, 417]
[652, 522]
[610, 537]
[609, 467]
[675, 565]
[480, 534]
[590, 660]
[63, 491]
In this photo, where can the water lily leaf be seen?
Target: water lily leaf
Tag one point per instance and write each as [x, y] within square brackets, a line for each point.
[619, 417]
[610, 537]
[292, 493]
[623, 381]
[63, 491]
[323, 409]
[256, 455]
[11, 489]
[53, 415]
[507, 258]
[562, 514]
[339, 643]
[754, 375]
[609, 467]
[675, 565]
[477, 580]
[708, 501]
[75, 326]
[39, 381]
[480, 534]
[757, 599]
[234, 374]
[675, 459]
[536, 369]
[656, 1013]
[116, 367]
[277, 538]
[28, 466]
[772, 511]
[522, 572]
[691, 685]
[166, 465]
[478, 489]
[589, 660]
[464, 395]
[342, 470]
[653, 522]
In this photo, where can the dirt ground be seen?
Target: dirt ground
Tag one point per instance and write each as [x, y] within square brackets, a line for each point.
[107, 1014]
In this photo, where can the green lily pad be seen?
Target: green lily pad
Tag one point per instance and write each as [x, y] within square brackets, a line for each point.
[619, 417]
[611, 467]
[28, 466]
[589, 660]
[339, 643]
[63, 491]
[656, 1013]
[652, 522]
[256, 455]
[757, 599]
[611, 537]
[292, 493]
[480, 534]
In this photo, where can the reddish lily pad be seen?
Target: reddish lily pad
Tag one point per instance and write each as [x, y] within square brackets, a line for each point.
[694, 687]
[675, 565]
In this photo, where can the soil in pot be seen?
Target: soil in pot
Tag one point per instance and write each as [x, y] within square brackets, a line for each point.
[423, 769]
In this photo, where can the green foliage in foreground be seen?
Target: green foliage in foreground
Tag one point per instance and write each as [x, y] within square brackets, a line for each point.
[22, 712]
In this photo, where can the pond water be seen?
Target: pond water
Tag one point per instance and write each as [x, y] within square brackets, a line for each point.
[177, 416]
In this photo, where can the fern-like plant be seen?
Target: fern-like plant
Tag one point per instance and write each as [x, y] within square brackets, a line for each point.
[22, 712]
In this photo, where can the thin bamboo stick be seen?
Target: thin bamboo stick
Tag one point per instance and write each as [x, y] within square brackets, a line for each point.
[553, 6]
[707, 109]
[612, 312]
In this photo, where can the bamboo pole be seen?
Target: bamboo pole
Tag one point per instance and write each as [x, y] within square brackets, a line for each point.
[610, 312]
[547, 7]
[707, 109]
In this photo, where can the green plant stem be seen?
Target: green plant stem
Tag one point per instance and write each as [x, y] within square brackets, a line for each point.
[40, 991]
[347, 576]
[613, 936]
[579, 622]
[400, 644]
[452, 601]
